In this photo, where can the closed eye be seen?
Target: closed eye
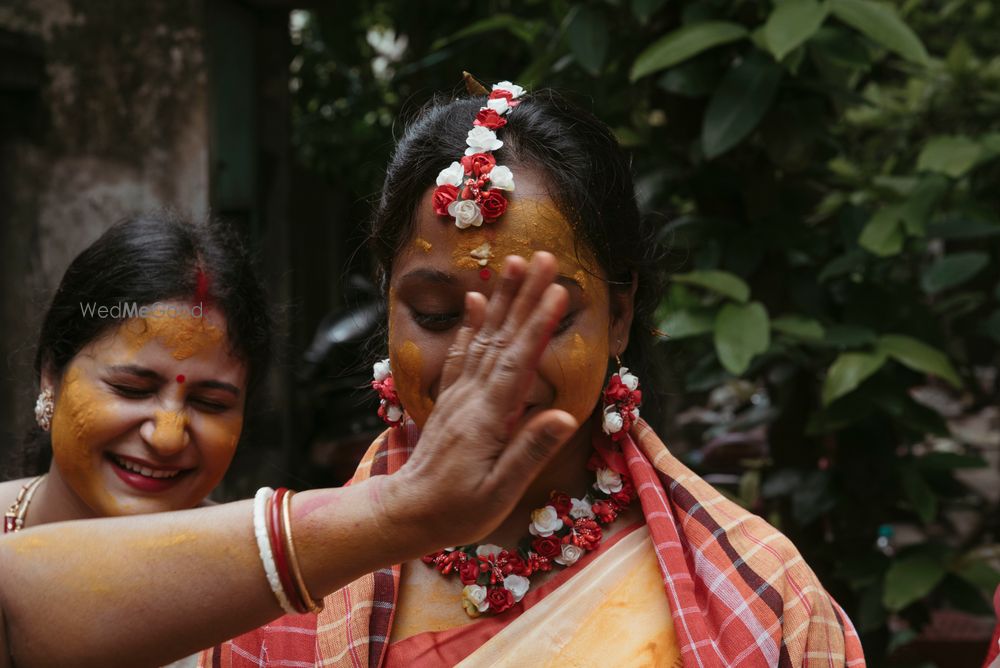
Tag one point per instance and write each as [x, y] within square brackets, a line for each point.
[436, 322]
[131, 391]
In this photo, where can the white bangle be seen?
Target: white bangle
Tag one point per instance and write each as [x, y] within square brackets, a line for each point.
[260, 500]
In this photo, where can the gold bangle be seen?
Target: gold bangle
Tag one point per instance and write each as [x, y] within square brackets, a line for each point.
[293, 559]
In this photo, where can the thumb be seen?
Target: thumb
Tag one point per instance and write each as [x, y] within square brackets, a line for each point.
[534, 445]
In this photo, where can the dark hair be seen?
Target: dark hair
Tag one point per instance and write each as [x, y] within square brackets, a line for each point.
[143, 260]
[589, 178]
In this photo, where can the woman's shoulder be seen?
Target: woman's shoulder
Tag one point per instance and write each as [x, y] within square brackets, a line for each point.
[9, 490]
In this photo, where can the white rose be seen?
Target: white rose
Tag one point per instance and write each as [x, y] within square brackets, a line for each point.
[381, 370]
[635, 413]
[498, 105]
[466, 213]
[501, 177]
[581, 509]
[481, 140]
[474, 599]
[570, 554]
[452, 175]
[516, 585]
[515, 90]
[608, 481]
[487, 549]
[393, 412]
[612, 421]
[545, 521]
[629, 380]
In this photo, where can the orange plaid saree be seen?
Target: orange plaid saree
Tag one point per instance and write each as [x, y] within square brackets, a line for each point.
[739, 592]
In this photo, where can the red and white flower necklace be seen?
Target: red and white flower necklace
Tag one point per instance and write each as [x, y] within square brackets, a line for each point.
[558, 535]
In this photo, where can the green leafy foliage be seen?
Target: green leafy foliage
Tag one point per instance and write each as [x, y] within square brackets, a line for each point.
[830, 163]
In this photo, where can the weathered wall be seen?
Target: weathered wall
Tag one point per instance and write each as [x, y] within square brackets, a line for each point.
[117, 124]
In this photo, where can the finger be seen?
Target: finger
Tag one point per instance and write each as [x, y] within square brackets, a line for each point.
[540, 274]
[532, 448]
[472, 320]
[515, 368]
[511, 278]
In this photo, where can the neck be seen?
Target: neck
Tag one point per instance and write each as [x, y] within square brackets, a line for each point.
[567, 472]
[55, 501]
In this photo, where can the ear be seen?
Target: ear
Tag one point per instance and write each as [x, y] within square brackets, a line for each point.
[622, 303]
[49, 379]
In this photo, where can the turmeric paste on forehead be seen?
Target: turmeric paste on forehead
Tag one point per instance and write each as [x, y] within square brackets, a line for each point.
[184, 335]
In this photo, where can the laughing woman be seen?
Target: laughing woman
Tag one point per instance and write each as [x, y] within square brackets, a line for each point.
[616, 554]
[156, 335]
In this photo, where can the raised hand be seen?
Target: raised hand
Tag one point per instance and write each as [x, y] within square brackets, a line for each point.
[474, 461]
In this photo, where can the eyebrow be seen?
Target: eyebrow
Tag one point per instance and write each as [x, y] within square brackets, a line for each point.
[429, 275]
[143, 372]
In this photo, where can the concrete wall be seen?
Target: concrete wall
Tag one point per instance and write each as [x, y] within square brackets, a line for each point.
[116, 122]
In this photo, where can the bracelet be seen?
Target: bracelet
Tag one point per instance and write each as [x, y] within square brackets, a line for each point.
[275, 532]
[293, 559]
[260, 529]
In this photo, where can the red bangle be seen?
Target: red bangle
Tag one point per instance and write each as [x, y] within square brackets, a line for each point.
[275, 532]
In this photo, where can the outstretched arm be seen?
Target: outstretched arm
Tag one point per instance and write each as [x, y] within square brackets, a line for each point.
[149, 589]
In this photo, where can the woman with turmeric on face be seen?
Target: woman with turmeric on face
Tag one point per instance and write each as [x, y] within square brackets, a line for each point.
[146, 355]
[616, 554]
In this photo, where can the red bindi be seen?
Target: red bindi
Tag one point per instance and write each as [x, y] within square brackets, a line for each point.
[485, 274]
[180, 378]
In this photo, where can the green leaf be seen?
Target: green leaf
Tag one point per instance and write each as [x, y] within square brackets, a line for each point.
[919, 494]
[682, 323]
[848, 371]
[587, 34]
[849, 336]
[883, 235]
[644, 9]
[951, 155]
[956, 226]
[526, 31]
[739, 103]
[683, 43]
[910, 579]
[722, 282]
[919, 356]
[791, 24]
[741, 332]
[799, 327]
[978, 572]
[695, 78]
[952, 270]
[881, 24]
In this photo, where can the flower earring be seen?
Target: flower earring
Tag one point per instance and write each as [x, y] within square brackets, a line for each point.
[390, 410]
[622, 398]
[45, 406]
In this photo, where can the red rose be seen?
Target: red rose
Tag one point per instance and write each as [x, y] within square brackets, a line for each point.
[606, 512]
[548, 546]
[500, 92]
[478, 164]
[492, 204]
[561, 502]
[443, 196]
[488, 118]
[587, 533]
[624, 496]
[616, 391]
[499, 599]
[514, 565]
[468, 572]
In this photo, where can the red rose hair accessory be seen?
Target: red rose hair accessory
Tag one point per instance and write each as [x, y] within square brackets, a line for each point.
[468, 191]
[390, 410]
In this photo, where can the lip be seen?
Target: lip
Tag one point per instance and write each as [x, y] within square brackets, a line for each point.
[143, 483]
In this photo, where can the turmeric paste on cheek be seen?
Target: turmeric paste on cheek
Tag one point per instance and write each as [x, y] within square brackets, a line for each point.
[77, 424]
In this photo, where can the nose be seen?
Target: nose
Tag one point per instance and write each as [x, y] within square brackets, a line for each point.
[167, 433]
